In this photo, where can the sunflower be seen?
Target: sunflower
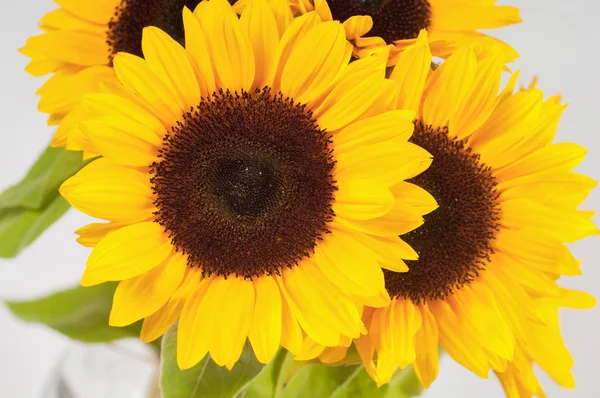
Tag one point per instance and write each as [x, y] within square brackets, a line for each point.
[80, 41]
[450, 23]
[248, 193]
[484, 284]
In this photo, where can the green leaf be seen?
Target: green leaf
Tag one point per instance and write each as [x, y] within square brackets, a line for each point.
[348, 382]
[80, 313]
[206, 379]
[320, 380]
[40, 185]
[270, 381]
[20, 227]
[31, 206]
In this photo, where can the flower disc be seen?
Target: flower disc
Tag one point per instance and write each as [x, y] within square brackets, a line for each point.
[244, 185]
[455, 242]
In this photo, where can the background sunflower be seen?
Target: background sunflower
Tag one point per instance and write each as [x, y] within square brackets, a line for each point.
[371, 24]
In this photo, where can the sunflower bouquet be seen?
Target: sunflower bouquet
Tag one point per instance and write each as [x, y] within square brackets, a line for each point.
[308, 197]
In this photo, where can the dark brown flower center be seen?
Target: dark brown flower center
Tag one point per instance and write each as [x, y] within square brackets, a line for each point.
[132, 16]
[244, 185]
[454, 243]
[392, 19]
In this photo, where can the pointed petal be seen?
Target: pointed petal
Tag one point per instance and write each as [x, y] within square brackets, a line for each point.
[129, 252]
[145, 294]
[265, 331]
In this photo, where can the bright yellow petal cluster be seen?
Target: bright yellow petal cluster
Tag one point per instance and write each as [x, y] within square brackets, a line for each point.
[320, 298]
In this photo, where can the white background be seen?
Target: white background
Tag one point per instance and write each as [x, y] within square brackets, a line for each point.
[559, 42]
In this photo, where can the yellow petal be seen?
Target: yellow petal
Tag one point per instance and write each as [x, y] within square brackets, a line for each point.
[231, 49]
[291, 333]
[556, 157]
[411, 71]
[352, 267]
[143, 295]
[290, 39]
[73, 47]
[465, 15]
[388, 162]
[448, 87]
[537, 250]
[122, 140]
[61, 93]
[229, 308]
[556, 189]
[566, 225]
[351, 98]
[414, 196]
[64, 132]
[195, 44]
[118, 103]
[67, 20]
[91, 234]
[326, 312]
[129, 252]
[192, 344]
[398, 221]
[310, 350]
[283, 14]
[259, 23]
[134, 73]
[426, 344]
[100, 11]
[576, 299]
[158, 323]
[512, 118]
[364, 346]
[389, 251]
[477, 306]
[169, 61]
[455, 340]
[265, 331]
[529, 278]
[357, 26]
[398, 328]
[322, 8]
[362, 200]
[383, 127]
[106, 190]
[479, 104]
[333, 355]
[314, 62]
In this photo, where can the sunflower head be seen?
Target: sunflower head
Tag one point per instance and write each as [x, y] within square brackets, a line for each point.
[371, 25]
[484, 283]
[247, 193]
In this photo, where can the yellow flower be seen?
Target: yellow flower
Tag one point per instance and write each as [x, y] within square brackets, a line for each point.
[80, 40]
[249, 193]
[484, 284]
[372, 24]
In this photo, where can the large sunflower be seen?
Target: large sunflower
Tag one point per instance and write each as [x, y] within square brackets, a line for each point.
[247, 189]
[79, 43]
[372, 24]
[483, 286]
